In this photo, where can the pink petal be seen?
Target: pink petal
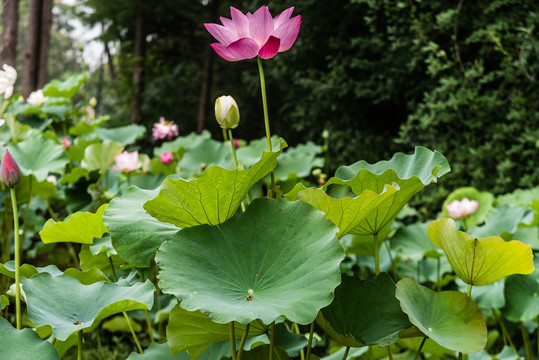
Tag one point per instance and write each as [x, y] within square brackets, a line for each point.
[227, 23]
[261, 25]
[241, 23]
[238, 50]
[288, 33]
[224, 35]
[282, 17]
[270, 48]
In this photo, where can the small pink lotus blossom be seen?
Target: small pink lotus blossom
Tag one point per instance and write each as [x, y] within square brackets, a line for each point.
[126, 162]
[246, 36]
[10, 174]
[66, 143]
[166, 158]
[459, 209]
[236, 144]
[165, 129]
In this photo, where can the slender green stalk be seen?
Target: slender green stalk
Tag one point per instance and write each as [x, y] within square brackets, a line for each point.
[243, 339]
[376, 254]
[231, 139]
[272, 339]
[113, 271]
[345, 356]
[149, 325]
[506, 336]
[438, 282]
[419, 349]
[469, 291]
[101, 352]
[537, 336]
[132, 331]
[232, 340]
[79, 349]
[309, 343]
[17, 258]
[389, 352]
[25, 223]
[225, 136]
[526, 339]
[295, 328]
[266, 117]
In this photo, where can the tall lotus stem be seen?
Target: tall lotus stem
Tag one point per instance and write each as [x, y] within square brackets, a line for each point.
[309, 344]
[17, 258]
[242, 343]
[79, 349]
[376, 254]
[232, 340]
[345, 356]
[266, 117]
[231, 140]
[272, 340]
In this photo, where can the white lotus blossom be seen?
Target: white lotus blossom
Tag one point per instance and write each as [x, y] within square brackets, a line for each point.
[8, 76]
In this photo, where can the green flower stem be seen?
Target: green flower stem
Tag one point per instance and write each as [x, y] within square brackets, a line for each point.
[266, 117]
[537, 336]
[17, 258]
[526, 338]
[376, 254]
[124, 313]
[149, 325]
[438, 282]
[242, 343]
[506, 336]
[232, 340]
[231, 140]
[272, 340]
[309, 343]
[469, 291]
[389, 352]
[345, 356]
[418, 353]
[101, 352]
[225, 136]
[25, 223]
[295, 328]
[79, 349]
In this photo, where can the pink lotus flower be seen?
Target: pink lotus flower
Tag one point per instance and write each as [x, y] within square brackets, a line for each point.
[66, 143]
[166, 158]
[126, 162]
[246, 36]
[459, 209]
[165, 129]
[236, 144]
[10, 174]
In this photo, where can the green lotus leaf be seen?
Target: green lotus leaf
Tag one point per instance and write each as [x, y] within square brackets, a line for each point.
[158, 351]
[124, 135]
[210, 199]
[69, 306]
[484, 199]
[408, 173]
[206, 153]
[195, 332]
[74, 176]
[24, 344]
[77, 148]
[486, 297]
[522, 297]
[347, 213]
[39, 156]
[373, 314]
[103, 244]
[181, 143]
[4, 301]
[519, 197]
[87, 277]
[29, 186]
[120, 324]
[480, 261]
[67, 88]
[135, 234]
[411, 242]
[101, 260]
[221, 350]
[249, 154]
[298, 161]
[504, 222]
[80, 227]
[528, 235]
[450, 318]
[101, 156]
[353, 353]
[277, 258]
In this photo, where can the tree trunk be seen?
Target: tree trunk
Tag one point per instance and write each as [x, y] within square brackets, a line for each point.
[36, 47]
[10, 22]
[138, 70]
[31, 48]
[209, 56]
[46, 23]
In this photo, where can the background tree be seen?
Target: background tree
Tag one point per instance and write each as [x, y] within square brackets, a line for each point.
[10, 21]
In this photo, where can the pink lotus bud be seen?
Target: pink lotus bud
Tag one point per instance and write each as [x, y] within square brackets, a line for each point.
[10, 174]
[166, 158]
[459, 209]
[126, 162]
[236, 144]
[66, 143]
[165, 129]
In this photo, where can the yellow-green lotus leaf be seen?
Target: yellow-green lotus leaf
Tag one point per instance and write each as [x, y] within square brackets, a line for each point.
[480, 261]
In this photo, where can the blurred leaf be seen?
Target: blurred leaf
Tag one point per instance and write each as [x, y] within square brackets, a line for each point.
[75, 175]
[119, 324]
[158, 351]
[124, 135]
[67, 88]
[101, 156]
[522, 297]
[504, 222]
[24, 344]
[297, 162]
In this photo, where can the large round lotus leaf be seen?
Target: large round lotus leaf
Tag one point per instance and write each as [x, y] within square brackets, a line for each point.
[158, 351]
[277, 258]
[135, 234]
[522, 297]
[298, 161]
[67, 88]
[101, 156]
[80, 227]
[249, 154]
[69, 306]
[210, 199]
[364, 313]
[347, 213]
[408, 173]
[484, 199]
[480, 261]
[39, 156]
[195, 332]
[411, 242]
[124, 135]
[206, 153]
[504, 222]
[24, 344]
[450, 318]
